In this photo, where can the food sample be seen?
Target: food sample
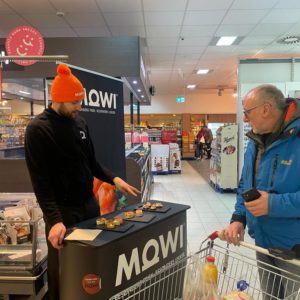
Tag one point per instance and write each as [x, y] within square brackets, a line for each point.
[100, 221]
[139, 213]
[158, 205]
[147, 205]
[110, 225]
[129, 214]
[153, 207]
[117, 221]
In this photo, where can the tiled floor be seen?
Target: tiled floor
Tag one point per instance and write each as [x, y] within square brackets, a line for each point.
[209, 211]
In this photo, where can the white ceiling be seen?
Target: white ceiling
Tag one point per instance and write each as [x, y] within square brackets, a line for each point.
[177, 32]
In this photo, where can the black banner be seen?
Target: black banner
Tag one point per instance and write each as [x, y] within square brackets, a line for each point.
[103, 110]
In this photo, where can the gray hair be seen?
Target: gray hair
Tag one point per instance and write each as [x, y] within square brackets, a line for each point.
[270, 93]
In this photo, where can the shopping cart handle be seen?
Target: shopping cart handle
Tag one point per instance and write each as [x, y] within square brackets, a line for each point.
[282, 253]
[213, 235]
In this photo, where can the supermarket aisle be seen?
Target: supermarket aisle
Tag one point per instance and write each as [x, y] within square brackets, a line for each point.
[209, 211]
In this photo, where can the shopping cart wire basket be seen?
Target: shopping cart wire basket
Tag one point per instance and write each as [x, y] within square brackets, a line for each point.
[174, 281]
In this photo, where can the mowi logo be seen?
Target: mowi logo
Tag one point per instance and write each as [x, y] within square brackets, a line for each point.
[139, 261]
[99, 99]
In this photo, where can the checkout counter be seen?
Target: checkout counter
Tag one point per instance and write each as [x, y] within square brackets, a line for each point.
[115, 260]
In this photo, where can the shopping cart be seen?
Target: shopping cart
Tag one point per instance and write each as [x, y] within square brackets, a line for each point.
[174, 282]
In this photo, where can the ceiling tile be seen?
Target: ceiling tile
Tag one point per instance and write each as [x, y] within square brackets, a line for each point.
[71, 6]
[270, 29]
[92, 32]
[252, 16]
[45, 20]
[128, 31]
[165, 5]
[9, 21]
[294, 30]
[163, 42]
[161, 31]
[162, 50]
[186, 56]
[5, 9]
[31, 6]
[163, 18]
[274, 49]
[233, 30]
[203, 17]
[85, 19]
[189, 50]
[58, 32]
[124, 19]
[282, 16]
[119, 6]
[288, 4]
[195, 41]
[201, 30]
[160, 57]
[209, 5]
[257, 40]
[253, 4]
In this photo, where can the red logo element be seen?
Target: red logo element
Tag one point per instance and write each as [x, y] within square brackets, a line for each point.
[91, 283]
[24, 41]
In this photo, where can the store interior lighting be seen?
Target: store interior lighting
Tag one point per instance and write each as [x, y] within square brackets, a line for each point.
[203, 71]
[226, 40]
[191, 86]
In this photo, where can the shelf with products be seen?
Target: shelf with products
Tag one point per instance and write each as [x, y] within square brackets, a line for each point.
[223, 162]
[12, 130]
[138, 173]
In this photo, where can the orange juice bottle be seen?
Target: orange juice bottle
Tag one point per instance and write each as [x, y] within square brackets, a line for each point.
[210, 271]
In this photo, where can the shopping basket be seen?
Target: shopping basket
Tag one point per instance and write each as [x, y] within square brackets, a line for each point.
[171, 283]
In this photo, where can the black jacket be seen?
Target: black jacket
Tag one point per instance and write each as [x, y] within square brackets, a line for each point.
[61, 161]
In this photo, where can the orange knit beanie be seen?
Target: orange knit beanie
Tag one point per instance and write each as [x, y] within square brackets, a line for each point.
[65, 86]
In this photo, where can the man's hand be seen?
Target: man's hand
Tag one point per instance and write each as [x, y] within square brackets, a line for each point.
[56, 235]
[124, 187]
[260, 206]
[234, 233]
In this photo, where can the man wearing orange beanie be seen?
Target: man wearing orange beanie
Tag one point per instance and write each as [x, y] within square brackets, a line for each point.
[61, 161]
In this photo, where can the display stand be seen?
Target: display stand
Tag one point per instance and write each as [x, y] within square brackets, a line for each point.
[23, 263]
[223, 162]
[160, 159]
[114, 261]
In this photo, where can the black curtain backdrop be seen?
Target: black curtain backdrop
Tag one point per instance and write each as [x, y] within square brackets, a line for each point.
[103, 110]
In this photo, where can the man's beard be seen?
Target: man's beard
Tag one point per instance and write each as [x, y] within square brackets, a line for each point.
[67, 114]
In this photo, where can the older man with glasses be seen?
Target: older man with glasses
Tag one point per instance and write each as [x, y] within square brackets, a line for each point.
[272, 164]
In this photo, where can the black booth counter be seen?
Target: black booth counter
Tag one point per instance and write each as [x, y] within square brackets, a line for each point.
[103, 267]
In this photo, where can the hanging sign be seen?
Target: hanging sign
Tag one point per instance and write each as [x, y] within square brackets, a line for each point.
[24, 41]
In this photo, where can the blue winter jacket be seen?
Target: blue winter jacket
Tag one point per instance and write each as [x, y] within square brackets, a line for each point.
[278, 174]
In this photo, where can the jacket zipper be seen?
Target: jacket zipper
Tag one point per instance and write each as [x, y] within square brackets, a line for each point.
[274, 170]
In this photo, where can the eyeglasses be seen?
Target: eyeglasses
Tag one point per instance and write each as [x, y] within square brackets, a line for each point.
[247, 111]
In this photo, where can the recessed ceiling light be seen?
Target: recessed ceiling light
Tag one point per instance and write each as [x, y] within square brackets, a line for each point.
[142, 96]
[21, 98]
[226, 40]
[139, 90]
[191, 86]
[23, 92]
[287, 40]
[202, 71]
[134, 82]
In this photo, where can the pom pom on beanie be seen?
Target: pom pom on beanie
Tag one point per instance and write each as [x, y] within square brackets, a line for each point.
[66, 87]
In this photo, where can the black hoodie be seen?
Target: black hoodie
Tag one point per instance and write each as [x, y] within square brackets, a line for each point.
[61, 161]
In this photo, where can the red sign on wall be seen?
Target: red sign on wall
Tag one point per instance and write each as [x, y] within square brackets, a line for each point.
[24, 41]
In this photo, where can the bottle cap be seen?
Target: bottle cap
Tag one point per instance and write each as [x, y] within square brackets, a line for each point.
[210, 259]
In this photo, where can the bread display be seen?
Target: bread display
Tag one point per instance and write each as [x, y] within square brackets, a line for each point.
[110, 225]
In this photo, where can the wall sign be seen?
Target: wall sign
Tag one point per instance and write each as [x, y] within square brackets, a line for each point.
[180, 99]
[24, 41]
